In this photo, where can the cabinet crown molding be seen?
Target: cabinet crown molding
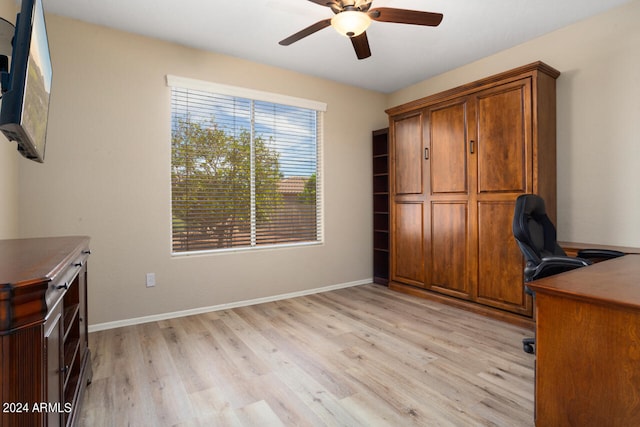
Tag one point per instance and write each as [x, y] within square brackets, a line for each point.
[514, 74]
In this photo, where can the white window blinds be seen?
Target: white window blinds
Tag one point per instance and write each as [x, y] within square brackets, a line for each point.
[245, 171]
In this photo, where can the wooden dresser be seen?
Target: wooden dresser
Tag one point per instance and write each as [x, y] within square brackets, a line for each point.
[45, 361]
[588, 345]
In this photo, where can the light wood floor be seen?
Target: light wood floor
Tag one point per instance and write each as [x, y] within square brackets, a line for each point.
[361, 356]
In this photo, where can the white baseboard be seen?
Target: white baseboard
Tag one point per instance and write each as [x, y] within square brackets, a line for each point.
[191, 312]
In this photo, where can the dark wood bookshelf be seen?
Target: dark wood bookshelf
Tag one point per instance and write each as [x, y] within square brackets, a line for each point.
[380, 149]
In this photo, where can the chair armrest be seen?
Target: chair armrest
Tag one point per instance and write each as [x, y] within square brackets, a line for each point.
[553, 265]
[599, 254]
[565, 261]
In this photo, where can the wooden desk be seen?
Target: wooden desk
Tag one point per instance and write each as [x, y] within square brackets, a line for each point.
[572, 248]
[588, 345]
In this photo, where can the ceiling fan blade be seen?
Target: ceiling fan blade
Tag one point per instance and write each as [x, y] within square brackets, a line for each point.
[327, 3]
[403, 16]
[361, 45]
[306, 32]
[364, 5]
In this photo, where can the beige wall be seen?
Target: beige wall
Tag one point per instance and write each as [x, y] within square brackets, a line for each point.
[107, 168]
[9, 161]
[107, 175]
[598, 103]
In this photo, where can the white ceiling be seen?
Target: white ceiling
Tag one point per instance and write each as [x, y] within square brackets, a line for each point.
[401, 54]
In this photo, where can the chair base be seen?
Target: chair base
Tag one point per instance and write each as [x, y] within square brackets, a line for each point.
[528, 345]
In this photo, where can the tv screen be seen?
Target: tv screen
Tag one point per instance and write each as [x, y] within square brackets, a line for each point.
[25, 103]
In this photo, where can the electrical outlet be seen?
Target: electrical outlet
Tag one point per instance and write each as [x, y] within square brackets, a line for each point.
[151, 280]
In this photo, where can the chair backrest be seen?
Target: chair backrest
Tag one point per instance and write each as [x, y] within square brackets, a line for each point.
[533, 230]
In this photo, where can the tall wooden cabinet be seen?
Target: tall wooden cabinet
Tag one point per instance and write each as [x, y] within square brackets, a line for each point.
[45, 363]
[458, 161]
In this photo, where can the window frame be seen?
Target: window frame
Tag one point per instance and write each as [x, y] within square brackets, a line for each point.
[257, 95]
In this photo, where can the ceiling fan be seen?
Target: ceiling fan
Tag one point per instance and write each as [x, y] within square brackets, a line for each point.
[353, 17]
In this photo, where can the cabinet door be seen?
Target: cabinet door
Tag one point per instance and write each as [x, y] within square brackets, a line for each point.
[407, 155]
[407, 207]
[408, 252]
[83, 312]
[504, 138]
[447, 142]
[504, 170]
[53, 356]
[447, 262]
[500, 262]
[447, 265]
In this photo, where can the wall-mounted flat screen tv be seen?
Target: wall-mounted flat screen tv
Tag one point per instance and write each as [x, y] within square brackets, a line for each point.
[27, 87]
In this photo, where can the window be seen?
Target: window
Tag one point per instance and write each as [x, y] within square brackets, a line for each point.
[245, 168]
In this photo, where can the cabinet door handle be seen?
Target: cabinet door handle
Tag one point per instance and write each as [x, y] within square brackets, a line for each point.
[426, 153]
[471, 146]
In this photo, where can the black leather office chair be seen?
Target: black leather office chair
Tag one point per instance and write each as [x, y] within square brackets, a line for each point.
[536, 236]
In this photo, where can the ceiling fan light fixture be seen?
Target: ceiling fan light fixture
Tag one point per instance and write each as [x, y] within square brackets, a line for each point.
[351, 23]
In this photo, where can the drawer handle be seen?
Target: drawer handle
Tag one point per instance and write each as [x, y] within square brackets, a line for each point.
[65, 286]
